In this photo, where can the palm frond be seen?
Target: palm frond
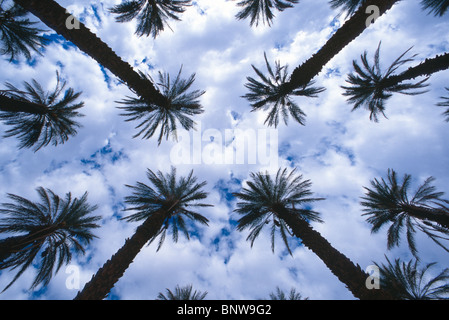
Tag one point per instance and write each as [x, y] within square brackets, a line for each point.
[437, 7]
[263, 194]
[151, 16]
[53, 228]
[55, 125]
[169, 195]
[180, 106]
[271, 93]
[262, 10]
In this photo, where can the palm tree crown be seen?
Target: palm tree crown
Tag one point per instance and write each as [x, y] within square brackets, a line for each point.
[182, 293]
[17, 35]
[371, 88]
[179, 106]
[54, 123]
[350, 6]
[152, 15]
[264, 196]
[262, 9]
[50, 231]
[281, 295]
[171, 196]
[272, 93]
[406, 282]
[437, 7]
[389, 202]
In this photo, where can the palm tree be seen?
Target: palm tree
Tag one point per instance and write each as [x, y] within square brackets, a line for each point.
[39, 118]
[17, 34]
[372, 88]
[406, 282]
[270, 94]
[388, 202]
[163, 206]
[280, 295]
[350, 6]
[152, 15]
[55, 17]
[445, 103]
[182, 293]
[48, 233]
[302, 75]
[180, 105]
[262, 9]
[437, 7]
[283, 204]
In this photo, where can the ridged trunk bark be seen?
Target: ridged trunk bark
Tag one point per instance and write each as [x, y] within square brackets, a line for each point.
[350, 30]
[11, 245]
[56, 17]
[104, 280]
[341, 266]
[427, 68]
[439, 216]
[13, 105]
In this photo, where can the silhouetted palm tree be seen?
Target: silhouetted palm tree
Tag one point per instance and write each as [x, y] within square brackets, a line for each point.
[406, 282]
[350, 6]
[55, 17]
[39, 118]
[152, 15]
[371, 88]
[270, 93]
[437, 7]
[283, 204]
[17, 36]
[180, 105]
[182, 293]
[262, 9]
[302, 75]
[292, 295]
[445, 103]
[48, 233]
[389, 202]
[164, 206]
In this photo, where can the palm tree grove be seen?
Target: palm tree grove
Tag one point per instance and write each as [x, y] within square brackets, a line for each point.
[224, 150]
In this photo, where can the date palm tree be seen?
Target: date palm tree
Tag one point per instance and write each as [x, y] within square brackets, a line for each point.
[371, 88]
[152, 15]
[180, 105]
[437, 7]
[303, 75]
[182, 293]
[445, 103]
[161, 207]
[55, 17]
[407, 282]
[283, 204]
[269, 93]
[389, 202]
[17, 34]
[262, 9]
[39, 118]
[48, 230]
[281, 295]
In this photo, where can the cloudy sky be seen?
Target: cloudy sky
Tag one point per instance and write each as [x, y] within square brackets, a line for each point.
[338, 150]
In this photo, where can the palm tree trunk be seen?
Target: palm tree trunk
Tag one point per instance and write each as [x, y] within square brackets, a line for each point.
[342, 267]
[106, 277]
[352, 28]
[427, 68]
[56, 17]
[439, 216]
[12, 245]
[13, 105]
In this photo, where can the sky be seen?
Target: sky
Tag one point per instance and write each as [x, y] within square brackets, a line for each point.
[338, 150]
